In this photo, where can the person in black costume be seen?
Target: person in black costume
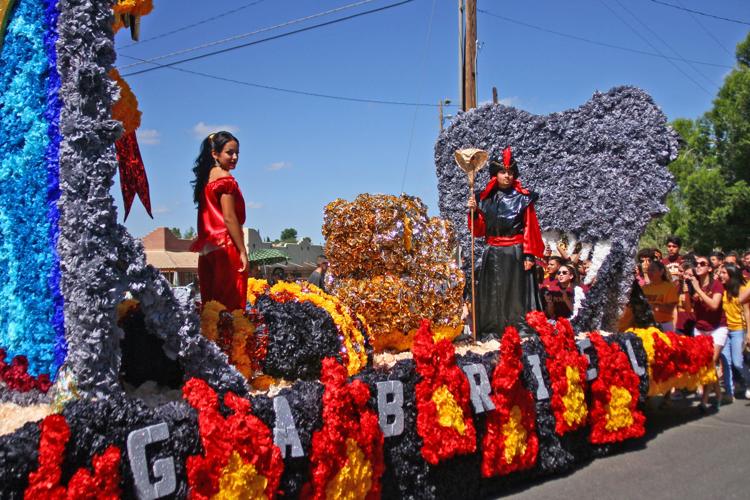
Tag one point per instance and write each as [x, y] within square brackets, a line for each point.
[504, 215]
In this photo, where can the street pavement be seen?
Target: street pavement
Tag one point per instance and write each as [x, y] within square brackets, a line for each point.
[684, 455]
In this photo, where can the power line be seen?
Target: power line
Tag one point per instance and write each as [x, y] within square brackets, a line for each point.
[194, 25]
[680, 7]
[656, 35]
[275, 37]
[596, 42]
[709, 33]
[623, 21]
[300, 92]
[251, 33]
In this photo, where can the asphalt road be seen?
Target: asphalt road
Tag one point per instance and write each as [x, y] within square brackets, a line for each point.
[683, 456]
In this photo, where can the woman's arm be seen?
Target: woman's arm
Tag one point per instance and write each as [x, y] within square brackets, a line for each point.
[476, 224]
[234, 228]
[712, 301]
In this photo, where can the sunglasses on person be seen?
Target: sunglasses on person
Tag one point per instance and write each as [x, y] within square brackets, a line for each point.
[702, 264]
[563, 273]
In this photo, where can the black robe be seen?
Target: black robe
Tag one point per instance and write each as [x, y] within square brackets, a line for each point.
[505, 291]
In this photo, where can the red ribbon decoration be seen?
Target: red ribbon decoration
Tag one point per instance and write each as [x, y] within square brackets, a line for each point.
[133, 178]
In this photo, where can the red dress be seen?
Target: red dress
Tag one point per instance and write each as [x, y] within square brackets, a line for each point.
[219, 257]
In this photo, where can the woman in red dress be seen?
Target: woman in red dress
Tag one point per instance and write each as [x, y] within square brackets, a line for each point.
[222, 264]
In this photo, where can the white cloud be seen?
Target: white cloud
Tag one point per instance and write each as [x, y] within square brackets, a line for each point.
[148, 136]
[202, 130]
[278, 165]
[254, 205]
[160, 209]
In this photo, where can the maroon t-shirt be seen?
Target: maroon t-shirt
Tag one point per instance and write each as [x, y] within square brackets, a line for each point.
[670, 260]
[553, 295]
[548, 282]
[705, 319]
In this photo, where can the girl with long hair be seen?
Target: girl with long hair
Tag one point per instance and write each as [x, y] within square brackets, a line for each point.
[222, 264]
[709, 317]
[563, 299]
[662, 295]
[738, 319]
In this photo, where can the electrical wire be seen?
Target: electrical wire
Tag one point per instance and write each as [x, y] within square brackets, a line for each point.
[193, 25]
[594, 42]
[656, 35]
[422, 66]
[275, 37]
[623, 21]
[251, 33]
[708, 32]
[680, 7]
[302, 92]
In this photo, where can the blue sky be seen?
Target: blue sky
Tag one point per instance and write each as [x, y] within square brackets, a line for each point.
[300, 152]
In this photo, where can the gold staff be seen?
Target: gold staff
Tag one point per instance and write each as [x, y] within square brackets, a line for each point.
[471, 160]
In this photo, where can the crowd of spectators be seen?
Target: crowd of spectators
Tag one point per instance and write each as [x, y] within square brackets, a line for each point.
[689, 294]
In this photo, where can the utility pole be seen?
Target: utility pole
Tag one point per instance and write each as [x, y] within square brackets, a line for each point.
[494, 95]
[461, 47]
[470, 56]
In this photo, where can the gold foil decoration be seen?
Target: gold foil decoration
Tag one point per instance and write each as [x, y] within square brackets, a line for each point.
[394, 265]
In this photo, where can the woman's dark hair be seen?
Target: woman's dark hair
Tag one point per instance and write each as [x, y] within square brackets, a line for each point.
[660, 268]
[645, 252]
[204, 162]
[736, 280]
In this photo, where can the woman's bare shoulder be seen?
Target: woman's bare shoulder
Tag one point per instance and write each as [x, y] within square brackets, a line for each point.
[218, 173]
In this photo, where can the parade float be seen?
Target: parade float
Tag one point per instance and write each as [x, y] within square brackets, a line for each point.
[360, 393]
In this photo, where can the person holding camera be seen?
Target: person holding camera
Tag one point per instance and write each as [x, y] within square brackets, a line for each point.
[709, 316]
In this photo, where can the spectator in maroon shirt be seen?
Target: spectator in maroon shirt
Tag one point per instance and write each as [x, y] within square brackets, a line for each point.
[674, 244]
[563, 298]
[709, 315]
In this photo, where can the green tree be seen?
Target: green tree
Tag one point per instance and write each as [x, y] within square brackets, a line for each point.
[289, 235]
[730, 118]
[189, 234]
[176, 231]
[709, 207]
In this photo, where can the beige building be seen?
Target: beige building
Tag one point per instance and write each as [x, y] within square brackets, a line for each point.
[173, 258]
[302, 255]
